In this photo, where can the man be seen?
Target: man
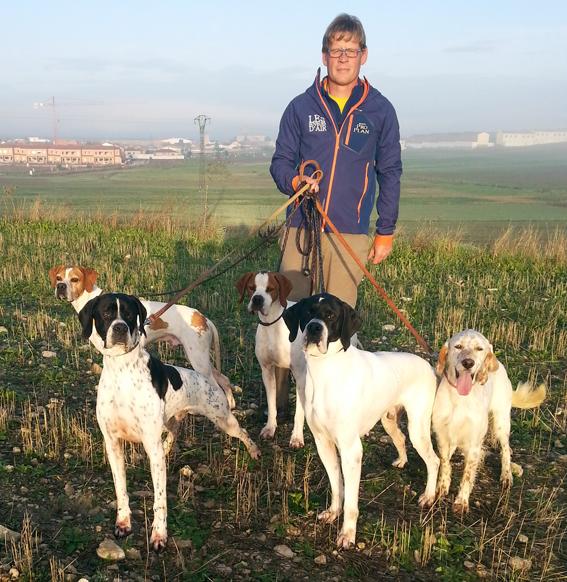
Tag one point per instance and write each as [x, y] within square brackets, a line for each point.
[352, 131]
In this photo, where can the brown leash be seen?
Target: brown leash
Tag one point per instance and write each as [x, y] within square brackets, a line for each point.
[420, 340]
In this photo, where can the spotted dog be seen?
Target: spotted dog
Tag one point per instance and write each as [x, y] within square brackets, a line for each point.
[179, 325]
[268, 293]
[138, 398]
[347, 391]
[474, 386]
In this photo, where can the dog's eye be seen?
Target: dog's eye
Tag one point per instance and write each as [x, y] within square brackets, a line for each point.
[75, 280]
[479, 348]
[458, 347]
[331, 316]
[107, 315]
[59, 278]
[269, 289]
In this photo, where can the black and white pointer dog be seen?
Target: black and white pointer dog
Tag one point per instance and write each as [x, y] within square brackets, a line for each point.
[139, 397]
[348, 390]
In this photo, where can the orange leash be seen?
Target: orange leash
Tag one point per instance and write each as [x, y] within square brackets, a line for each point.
[420, 340]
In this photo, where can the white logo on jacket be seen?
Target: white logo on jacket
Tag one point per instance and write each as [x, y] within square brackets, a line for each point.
[317, 123]
[361, 127]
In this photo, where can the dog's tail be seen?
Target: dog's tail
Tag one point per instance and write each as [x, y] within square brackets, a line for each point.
[216, 345]
[526, 396]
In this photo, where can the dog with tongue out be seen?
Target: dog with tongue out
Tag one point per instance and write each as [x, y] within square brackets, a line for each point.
[474, 387]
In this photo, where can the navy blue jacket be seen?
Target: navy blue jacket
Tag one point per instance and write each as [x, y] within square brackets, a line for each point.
[351, 148]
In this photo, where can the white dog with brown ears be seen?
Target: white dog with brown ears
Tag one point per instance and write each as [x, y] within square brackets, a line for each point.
[474, 385]
[268, 292]
[179, 325]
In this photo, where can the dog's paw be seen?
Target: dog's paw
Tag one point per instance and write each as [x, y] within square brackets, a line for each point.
[400, 462]
[346, 539]
[426, 500]
[122, 530]
[158, 542]
[461, 506]
[268, 432]
[506, 480]
[328, 516]
[296, 441]
[254, 451]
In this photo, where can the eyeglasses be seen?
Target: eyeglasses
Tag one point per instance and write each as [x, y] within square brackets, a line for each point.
[351, 53]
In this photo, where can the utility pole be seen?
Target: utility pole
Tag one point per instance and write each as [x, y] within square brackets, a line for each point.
[201, 121]
[49, 103]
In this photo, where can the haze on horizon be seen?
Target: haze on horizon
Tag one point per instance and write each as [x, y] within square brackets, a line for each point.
[145, 70]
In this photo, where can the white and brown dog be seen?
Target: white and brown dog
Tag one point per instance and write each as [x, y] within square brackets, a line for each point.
[347, 391]
[268, 292]
[474, 385]
[138, 398]
[179, 325]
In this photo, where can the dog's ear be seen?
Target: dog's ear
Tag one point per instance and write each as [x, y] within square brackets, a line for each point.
[284, 288]
[350, 325]
[242, 284]
[86, 317]
[442, 360]
[291, 316]
[90, 276]
[142, 313]
[53, 274]
[491, 361]
[489, 365]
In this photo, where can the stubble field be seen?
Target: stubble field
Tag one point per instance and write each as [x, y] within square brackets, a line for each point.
[227, 513]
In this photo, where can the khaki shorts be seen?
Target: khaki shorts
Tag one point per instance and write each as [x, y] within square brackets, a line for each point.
[340, 272]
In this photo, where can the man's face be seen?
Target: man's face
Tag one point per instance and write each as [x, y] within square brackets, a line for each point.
[344, 70]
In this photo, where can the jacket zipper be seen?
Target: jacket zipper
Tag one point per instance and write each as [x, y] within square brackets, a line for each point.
[337, 141]
[364, 191]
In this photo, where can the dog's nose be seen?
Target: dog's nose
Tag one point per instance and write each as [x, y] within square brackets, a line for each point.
[120, 328]
[257, 301]
[468, 363]
[314, 327]
[61, 287]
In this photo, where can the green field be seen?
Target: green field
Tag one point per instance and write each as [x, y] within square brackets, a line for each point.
[481, 190]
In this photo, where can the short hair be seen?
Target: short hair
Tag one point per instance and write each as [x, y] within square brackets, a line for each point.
[344, 26]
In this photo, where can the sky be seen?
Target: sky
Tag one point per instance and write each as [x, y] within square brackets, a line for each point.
[145, 69]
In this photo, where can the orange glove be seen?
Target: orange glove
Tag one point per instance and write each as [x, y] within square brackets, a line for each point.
[381, 248]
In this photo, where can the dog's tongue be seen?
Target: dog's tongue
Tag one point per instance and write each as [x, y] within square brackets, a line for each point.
[464, 383]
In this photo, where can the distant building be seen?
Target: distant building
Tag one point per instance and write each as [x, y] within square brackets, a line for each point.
[530, 138]
[177, 141]
[166, 153]
[61, 155]
[467, 140]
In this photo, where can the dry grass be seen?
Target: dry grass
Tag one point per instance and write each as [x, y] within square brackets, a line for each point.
[514, 293]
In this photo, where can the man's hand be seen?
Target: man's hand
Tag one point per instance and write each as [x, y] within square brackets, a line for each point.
[297, 184]
[381, 248]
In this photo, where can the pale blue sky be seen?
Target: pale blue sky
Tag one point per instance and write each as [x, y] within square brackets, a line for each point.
[146, 69]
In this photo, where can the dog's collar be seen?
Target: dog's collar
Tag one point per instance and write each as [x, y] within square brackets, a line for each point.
[268, 323]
